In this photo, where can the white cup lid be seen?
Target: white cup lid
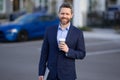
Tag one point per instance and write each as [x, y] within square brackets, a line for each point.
[61, 39]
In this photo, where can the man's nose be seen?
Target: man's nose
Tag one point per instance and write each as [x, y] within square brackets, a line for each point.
[64, 15]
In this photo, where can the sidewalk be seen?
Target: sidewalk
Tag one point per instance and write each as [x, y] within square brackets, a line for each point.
[109, 34]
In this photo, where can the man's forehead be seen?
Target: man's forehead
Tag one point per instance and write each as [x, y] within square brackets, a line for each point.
[65, 9]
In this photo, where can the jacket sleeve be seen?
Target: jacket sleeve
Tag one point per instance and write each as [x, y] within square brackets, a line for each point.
[44, 55]
[79, 52]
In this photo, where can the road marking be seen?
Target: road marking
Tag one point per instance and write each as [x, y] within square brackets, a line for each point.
[103, 52]
[100, 43]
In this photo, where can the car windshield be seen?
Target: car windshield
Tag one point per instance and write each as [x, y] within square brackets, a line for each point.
[25, 18]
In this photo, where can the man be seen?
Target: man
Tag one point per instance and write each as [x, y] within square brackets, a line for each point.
[60, 58]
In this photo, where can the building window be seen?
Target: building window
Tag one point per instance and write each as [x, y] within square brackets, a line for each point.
[46, 1]
[70, 1]
[93, 5]
[43, 4]
[16, 5]
[111, 2]
[1, 5]
[40, 1]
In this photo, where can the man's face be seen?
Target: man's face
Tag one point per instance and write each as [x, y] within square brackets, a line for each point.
[65, 15]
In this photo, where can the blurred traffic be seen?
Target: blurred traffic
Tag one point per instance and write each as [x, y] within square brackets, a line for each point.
[28, 26]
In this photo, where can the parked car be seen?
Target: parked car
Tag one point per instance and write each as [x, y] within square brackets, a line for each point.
[26, 27]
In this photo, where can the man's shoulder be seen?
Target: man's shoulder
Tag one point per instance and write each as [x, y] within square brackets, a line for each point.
[52, 27]
[76, 29]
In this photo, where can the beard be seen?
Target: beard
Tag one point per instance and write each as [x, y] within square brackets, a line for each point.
[64, 21]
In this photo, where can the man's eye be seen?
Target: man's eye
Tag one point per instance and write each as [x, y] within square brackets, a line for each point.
[67, 14]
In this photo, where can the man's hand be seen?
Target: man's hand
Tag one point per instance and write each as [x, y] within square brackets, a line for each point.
[64, 47]
[41, 78]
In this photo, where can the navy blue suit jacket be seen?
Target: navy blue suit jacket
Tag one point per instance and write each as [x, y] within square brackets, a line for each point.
[59, 64]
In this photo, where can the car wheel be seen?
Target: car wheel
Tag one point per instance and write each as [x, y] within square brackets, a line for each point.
[22, 36]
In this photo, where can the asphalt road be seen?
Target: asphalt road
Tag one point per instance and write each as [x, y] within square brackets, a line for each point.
[19, 61]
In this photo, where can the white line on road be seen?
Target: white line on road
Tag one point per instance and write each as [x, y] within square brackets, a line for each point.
[100, 43]
[103, 52]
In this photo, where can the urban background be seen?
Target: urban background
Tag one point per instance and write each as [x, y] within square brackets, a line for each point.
[104, 13]
[19, 57]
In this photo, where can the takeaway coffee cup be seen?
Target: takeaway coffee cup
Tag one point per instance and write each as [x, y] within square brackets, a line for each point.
[61, 41]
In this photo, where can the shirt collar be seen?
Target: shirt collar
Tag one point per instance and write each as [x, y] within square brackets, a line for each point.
[59, 27]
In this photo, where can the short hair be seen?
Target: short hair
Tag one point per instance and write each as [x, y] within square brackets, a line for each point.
[66, 5]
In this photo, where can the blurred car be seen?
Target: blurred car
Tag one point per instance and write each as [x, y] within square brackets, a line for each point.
[26, 27]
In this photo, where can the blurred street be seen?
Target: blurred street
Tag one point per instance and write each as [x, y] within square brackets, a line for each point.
[19, 60]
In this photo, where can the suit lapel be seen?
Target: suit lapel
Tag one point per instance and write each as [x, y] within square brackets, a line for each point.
[55, 34]
[69, 34]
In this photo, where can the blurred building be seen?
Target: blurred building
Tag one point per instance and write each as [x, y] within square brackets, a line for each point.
[82, 8]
